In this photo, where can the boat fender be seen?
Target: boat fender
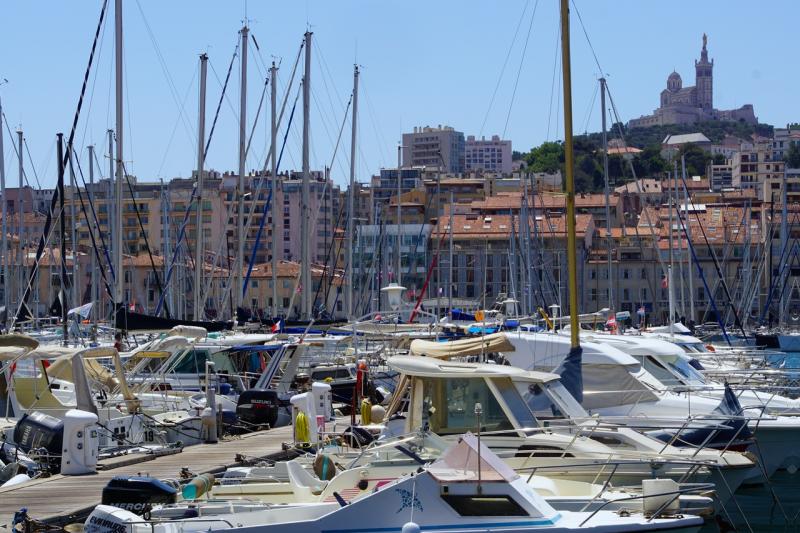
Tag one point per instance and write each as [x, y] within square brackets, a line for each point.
[302, 433]
[377, 414]
[324, 467]
[197, 486]
[16, 480]
[410, 527]
[366, 412]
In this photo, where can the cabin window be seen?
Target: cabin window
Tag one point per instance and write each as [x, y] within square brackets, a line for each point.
[474, 505]
[193, 362]
[451, 404]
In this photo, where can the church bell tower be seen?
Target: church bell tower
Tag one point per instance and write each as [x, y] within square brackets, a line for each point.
[704, 78]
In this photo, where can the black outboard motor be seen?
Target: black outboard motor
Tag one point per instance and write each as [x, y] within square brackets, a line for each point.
[40, 434]
[258, 407]
[138, 494]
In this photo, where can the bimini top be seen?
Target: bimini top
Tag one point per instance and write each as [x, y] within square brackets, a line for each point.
[497, 342]
[436, 368]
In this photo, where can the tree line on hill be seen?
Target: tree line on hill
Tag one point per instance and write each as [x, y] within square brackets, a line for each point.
[649, 163]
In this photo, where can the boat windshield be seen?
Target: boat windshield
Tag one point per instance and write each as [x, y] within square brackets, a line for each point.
[689, 374]
[450, 404]
[564, 401]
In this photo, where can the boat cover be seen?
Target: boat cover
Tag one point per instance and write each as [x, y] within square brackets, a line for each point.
[497, 342]
[460, 462]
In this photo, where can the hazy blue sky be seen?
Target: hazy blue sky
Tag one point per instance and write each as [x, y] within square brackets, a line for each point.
[424, 63]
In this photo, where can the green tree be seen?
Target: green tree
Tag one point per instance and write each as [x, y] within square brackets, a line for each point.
[696, 159]
[548, 157]
[792, 157]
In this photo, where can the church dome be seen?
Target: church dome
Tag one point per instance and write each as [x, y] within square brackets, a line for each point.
[674, 82]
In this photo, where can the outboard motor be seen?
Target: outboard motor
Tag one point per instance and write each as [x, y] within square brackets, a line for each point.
[138, 494]
[42, 433]
[105, 519]
[258, 407]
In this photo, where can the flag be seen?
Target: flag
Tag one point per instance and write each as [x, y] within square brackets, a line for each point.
[82, 311]
[664, 282]
[277, 326]
[611, 323]
[132, 306]
[299, 288]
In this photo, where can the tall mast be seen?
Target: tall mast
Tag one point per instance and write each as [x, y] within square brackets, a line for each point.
[74, 234]
[688, 234]
[113, 222]
[273, 81]
[671, 255]
[450, 259]
[60, 185]
[198, 245]
[607, 191]
[4, 238]
[572, 259]
[399, 221]
[21, 218]
[120, 278]
[348, 294]
[94, 294]
[305, 236]
[784, 244]
[238, 295]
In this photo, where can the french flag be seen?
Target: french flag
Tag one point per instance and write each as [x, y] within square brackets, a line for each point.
[277, 326]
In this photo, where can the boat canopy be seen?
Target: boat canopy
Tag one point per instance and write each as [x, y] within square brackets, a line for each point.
[434, 368]
[497, 342]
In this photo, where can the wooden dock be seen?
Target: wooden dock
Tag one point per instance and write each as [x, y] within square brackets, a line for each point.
[58, 499]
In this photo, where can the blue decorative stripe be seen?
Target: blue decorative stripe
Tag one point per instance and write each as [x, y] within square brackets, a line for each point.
[547, 522]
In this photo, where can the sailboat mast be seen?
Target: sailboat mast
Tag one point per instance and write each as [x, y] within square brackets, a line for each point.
[62, 233]
[305, 238]
[273, 81]
[198, 245]
[120, 278]
[399, 234]
[784, 244]
[94, 294]
[21, 226]
[4, 238]
[74, 234]
[238, 293]
[113, 221]
[569, 164]
[348, 294]
[609, 240]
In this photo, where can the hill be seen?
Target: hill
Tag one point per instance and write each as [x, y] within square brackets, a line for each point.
[714, 130]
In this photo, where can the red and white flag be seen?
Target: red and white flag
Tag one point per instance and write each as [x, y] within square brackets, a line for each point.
[276, 327]
[664, 283]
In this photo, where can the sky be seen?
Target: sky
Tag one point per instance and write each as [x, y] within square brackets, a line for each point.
[484, 68]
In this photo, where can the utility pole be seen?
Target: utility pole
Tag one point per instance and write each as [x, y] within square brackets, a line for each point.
[119, 129]
[197, 288]
[609, 239]
[238, 289]
[273, 81]
[305, 234]
[348, 295]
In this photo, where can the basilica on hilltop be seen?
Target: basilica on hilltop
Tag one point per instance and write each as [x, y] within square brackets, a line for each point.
[687, 105]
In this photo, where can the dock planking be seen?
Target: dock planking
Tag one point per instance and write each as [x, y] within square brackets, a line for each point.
[58, 498]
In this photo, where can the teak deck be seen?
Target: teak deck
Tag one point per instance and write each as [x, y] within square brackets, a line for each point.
[57, 498]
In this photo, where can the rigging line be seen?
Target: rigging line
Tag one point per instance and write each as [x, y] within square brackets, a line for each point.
[586, 34]
[94, 225]
[16, 151]
[553, 81]
[33, 167]
[590, 109]
[55, 198]
[258, 114]
[165, 70]
[144, 234]
[222, 97]
[178, 121]
[371, 112]
[519, 69]
[330, 139]
[94, 84]
[503, 68]
[219, 81]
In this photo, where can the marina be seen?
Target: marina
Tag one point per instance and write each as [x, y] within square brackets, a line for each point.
[600, 334]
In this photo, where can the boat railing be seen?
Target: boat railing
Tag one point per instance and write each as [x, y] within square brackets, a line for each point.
[675, 494]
